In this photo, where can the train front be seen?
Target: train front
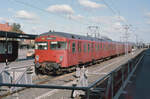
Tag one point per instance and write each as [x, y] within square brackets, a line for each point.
[50, 54]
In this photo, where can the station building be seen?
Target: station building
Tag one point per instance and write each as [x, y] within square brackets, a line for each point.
[9, 42]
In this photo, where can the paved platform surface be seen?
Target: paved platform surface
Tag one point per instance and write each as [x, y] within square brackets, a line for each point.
[21, 61]
[139, 86]
[95, 72]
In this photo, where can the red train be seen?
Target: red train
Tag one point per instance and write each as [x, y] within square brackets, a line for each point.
[56, 51]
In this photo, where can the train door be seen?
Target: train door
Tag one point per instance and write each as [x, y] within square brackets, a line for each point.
[72, 54]
[93, 50]
[104, 50]
[79, 52]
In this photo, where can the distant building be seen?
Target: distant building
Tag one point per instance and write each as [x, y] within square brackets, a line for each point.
[5, 27]
[8, 28]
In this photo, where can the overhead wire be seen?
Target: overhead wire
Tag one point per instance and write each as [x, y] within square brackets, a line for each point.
[115, 12]
[43, 10]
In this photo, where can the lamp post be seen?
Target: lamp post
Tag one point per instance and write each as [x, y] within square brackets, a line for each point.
[6, 50]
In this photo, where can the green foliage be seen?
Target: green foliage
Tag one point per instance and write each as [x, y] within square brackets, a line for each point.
[16, 28]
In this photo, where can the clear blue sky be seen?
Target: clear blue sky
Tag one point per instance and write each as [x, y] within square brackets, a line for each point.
[74, 16]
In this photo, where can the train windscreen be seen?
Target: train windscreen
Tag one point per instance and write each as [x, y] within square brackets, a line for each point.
[41, 45]
[58, 45]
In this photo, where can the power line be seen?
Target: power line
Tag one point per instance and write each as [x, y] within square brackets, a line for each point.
[43, 10]
[111, 9]
[115, 6]
[127, 26]
[115, 12]
[32, 6]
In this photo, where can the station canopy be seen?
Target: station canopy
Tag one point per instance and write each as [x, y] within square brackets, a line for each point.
[6, 34]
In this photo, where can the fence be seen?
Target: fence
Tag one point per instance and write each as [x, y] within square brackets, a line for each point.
[108, 87]
[16, 75]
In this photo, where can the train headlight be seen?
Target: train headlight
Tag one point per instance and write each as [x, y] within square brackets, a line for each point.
[37, 57]
[60, 58]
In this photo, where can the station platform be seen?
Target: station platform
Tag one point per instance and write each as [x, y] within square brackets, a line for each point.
[95, 72]
[139, 84]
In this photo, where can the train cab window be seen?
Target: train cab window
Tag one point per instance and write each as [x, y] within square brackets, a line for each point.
[85, 48]
[41, 45]
[88, 47]
[73, 47]
[58, 45]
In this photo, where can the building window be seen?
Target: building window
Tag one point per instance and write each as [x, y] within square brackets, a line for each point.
[2, 48]
[9, 48]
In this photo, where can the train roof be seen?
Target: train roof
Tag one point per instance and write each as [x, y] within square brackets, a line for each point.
[73, 36]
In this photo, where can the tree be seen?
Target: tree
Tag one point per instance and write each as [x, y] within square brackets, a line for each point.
[16, 28]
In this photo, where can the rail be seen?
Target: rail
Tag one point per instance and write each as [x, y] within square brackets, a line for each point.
[108, 87]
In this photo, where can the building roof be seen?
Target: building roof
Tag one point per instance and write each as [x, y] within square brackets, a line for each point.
[17, 35]
[5, 27]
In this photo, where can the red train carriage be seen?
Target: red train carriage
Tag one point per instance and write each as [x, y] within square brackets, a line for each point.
[11, 49]
[57, 51]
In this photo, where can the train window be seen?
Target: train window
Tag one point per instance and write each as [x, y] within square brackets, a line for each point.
[79, 46]
[104, 46]
[69, 45]
[88, 47]
[98, 47]
[73, 47]
[85, 48]
[95, 47]
[92, 46]
[58, 45]
[41, 45]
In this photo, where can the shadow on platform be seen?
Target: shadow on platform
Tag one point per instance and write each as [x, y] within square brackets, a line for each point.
[139, 84]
